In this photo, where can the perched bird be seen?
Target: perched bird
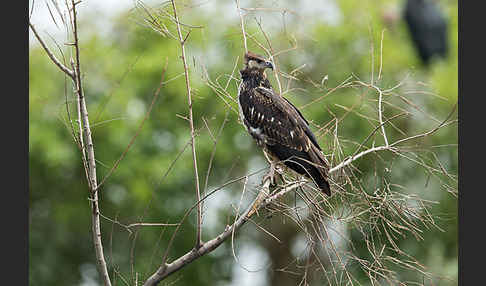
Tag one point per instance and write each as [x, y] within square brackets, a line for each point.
[277, 125]
[428, 28]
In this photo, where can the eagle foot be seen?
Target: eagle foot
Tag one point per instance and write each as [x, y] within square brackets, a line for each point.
[270, 176]
[276, 172]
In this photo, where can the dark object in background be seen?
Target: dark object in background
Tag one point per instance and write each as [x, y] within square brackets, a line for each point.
[428, 28]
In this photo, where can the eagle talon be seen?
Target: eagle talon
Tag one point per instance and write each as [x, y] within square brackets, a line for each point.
[270, 175]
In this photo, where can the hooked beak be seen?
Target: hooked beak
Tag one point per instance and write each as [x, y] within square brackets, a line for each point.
[269, 64]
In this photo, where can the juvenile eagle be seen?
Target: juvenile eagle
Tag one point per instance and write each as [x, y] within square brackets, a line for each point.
[277, 125]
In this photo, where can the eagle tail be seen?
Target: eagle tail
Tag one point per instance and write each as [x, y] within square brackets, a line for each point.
[319, 171]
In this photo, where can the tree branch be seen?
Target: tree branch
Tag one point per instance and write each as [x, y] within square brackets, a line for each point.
[91, 162]
[147, 114]
[85, 139]
[430, 131]
[168, 268]
[182, 41]
[262, 200]
[242, 24]
[53, 58]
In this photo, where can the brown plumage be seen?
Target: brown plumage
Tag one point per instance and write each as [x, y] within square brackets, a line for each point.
[277, 125]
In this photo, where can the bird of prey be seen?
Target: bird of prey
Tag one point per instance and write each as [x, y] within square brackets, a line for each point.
[277, 125]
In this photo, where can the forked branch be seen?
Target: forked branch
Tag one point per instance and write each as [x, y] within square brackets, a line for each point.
[168, 268]
[51, 55]
[86, 141]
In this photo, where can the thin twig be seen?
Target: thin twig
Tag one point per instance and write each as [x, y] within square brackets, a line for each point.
[236, 218]
[279, 10]
[380, 116]
[271, 56]
[65, 69]
[380, 108]
[154, 99]
[213, 152]
[191, 124]
[381, 54]
[372, 52]
[242, 23]
[355, 157]
[428, 132]
[151, 224]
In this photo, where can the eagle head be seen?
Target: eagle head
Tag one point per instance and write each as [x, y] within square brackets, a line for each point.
[253, 60]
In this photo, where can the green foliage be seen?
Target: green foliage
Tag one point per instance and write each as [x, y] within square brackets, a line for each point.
[121, 72]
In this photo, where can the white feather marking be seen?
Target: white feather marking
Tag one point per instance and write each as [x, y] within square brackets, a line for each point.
[271, 119]
[251, 111]
[257, 131]
[266, 89]
[292, 134]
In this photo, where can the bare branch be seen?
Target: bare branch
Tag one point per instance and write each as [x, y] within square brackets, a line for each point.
[191, 123]
[242, 23]
[272, 57]
[428, 132]
[355, 157]
[154, 99]
[281, 10]
[167, 269]
[91, 162]
[372, 53]
[151, 224]
[213, 152]
[63, 68]
[381, 54]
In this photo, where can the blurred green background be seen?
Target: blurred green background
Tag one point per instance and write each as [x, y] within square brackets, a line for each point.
[122, 65]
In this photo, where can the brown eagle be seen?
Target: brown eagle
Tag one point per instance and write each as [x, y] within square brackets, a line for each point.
[277, 125]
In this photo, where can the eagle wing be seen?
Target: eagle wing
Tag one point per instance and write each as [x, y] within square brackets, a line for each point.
[275, 122]
[296, 116]
[278, 120]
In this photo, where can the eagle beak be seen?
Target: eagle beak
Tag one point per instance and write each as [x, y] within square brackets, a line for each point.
[269, 64]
